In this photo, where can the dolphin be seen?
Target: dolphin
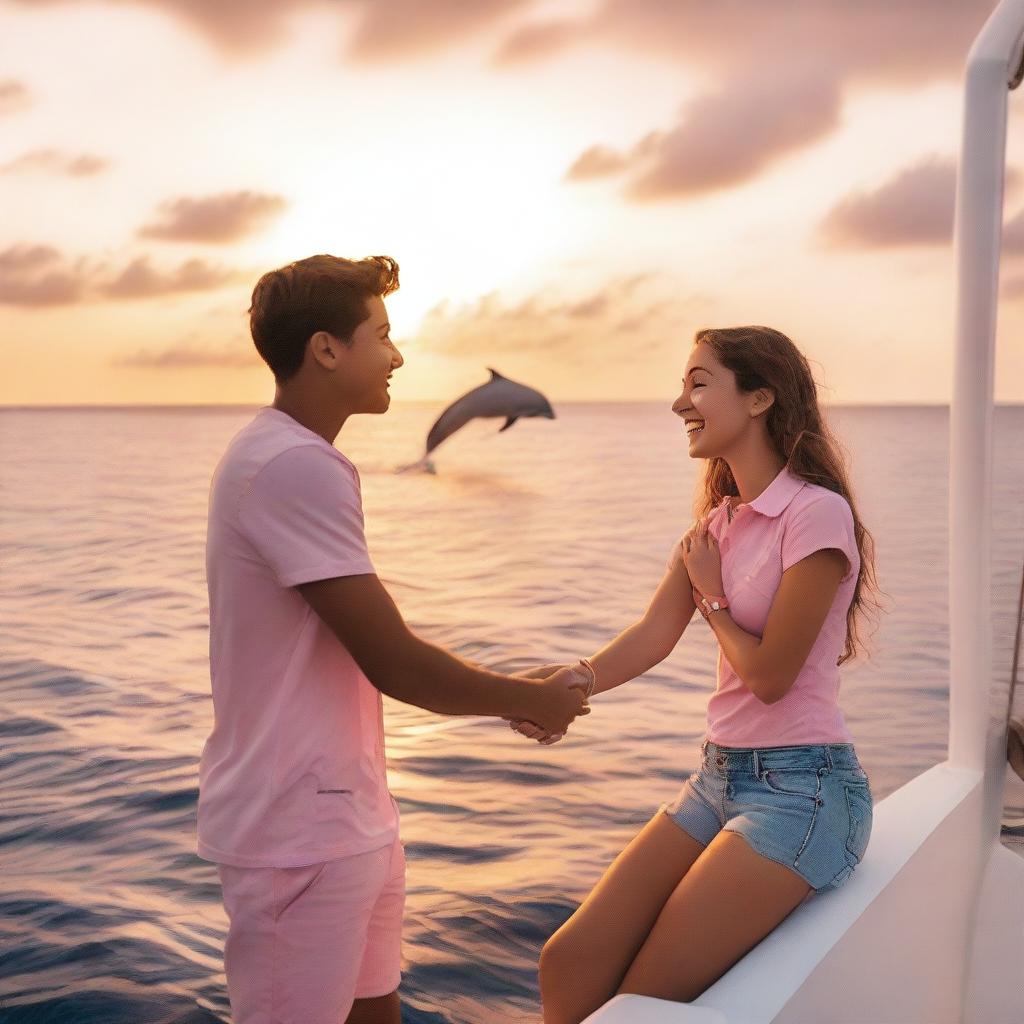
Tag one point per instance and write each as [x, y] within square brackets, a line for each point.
[499, 397]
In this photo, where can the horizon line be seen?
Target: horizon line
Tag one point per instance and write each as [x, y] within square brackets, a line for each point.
[143, 406]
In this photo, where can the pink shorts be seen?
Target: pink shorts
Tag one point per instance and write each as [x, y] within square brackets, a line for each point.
[303, 943]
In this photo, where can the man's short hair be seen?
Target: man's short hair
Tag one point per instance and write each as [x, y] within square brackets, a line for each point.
[320, 293]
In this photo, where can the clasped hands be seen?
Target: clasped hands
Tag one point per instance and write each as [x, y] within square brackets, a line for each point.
[530, 729]
[703, 563]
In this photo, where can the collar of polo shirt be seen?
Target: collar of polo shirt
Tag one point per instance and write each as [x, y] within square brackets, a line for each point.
[772, 501]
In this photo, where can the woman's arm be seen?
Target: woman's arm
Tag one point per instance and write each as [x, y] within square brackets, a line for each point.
[646, 643]
[651, 639]
[639, 647]
[768, 665]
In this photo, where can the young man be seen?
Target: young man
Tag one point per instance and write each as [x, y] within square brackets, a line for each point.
[294, 805]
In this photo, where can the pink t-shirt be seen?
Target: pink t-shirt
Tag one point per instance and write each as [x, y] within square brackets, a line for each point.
[293, 772]
[789, 520]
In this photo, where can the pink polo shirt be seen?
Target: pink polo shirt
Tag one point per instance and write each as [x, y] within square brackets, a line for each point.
[789, 520]
[293, 772]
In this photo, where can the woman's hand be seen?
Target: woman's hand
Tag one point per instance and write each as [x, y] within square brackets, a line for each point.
[702, 560]
[534, 732]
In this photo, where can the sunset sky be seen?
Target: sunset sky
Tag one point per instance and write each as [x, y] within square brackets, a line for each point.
[571, 188]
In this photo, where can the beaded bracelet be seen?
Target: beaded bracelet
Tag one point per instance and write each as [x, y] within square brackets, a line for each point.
[592, 681]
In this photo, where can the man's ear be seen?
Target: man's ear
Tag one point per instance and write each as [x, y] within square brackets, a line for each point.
[324, 348]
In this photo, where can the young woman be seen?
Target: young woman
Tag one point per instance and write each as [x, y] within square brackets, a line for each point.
[780, 807]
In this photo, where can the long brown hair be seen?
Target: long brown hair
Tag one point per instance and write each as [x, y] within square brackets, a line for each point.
[761, 357]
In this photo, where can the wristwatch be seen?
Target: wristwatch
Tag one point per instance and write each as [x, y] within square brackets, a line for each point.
[713, 604]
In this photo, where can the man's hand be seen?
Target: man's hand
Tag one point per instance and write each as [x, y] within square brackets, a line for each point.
[540, 672]
[559, 699]
[530, 729]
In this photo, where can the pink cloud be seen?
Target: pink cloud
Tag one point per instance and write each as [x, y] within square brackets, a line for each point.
[54, 161]
[392, 29]
[385, 29]
[538, 40]
[765, 105]
[50, 289]
[723, 138]
[189, 355]
[20, 259]
[140, 280]
[238, 28]
[597, 162]
[728, 137]
[14, 96]
[1013, 234]
[587, 324]
[221, 218]
[30, 275]
[1012, 288]
[39, 276]
[914, 208]
[905, 42]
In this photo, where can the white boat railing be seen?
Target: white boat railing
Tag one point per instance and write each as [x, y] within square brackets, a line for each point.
[993, 67]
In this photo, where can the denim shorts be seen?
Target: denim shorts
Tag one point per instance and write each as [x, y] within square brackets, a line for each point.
[807, 807]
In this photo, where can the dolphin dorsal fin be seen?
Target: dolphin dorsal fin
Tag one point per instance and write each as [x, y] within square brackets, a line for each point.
[495, 375]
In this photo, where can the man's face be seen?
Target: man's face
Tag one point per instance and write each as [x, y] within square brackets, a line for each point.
[369, 360]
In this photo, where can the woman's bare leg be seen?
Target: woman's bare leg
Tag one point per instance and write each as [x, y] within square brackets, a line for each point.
[583, 963]
[723, 907]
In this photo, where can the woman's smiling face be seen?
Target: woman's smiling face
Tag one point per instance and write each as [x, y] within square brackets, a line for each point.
[713, 409]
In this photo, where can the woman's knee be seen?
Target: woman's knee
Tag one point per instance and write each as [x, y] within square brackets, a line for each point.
[563, 1001]
[560, 959]
[554, 957]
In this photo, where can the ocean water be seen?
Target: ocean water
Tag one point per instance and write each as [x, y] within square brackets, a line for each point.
[535, 545]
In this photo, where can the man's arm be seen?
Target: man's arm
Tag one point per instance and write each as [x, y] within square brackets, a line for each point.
[366, 620]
